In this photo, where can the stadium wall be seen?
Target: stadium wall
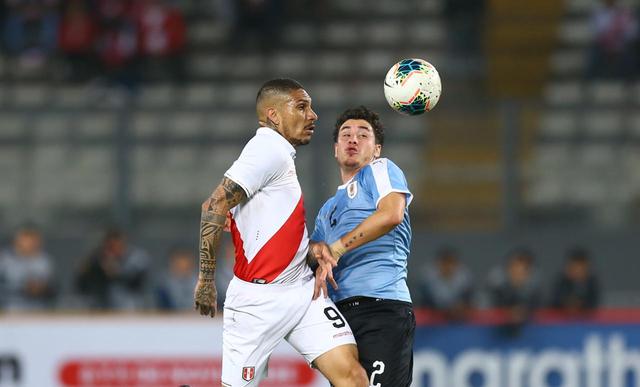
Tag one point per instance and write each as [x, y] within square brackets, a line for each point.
[145, 351]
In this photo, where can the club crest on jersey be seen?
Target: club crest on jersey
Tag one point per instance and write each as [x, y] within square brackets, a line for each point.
[248, 373]
[352, 189]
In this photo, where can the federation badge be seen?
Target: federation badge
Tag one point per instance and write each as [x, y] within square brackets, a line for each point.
[352, 189]
[248, 373]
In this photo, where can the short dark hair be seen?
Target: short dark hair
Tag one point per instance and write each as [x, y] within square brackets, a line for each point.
[578, 254]
[446, 252]
[28, 228]
[278, 86]
[361, 113]
[113, 233]
[521, 253]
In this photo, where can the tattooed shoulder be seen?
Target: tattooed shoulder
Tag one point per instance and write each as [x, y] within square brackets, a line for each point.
[233, 192]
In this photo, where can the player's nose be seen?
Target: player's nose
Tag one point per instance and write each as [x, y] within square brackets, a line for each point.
[312, 115]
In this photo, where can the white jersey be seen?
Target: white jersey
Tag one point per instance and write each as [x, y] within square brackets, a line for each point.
[268, 229]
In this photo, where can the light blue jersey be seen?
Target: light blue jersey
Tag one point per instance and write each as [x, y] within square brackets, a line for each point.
[378, 268]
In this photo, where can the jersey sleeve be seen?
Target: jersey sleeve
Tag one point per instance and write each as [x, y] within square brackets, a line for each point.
[257, 165]
[318, 234]
[387, 177]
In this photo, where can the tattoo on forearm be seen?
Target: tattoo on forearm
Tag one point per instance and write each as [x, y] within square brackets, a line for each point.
[212, 222]
[354, 239]
[211, 226]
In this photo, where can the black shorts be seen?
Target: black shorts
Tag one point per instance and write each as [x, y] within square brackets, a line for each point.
[384, 332]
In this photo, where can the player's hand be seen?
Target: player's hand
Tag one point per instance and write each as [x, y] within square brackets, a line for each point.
[324, 273]
[205, 297]
[321, 252]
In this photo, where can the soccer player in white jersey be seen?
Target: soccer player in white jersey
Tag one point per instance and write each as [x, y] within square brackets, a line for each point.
[367, 226]
[270, 297]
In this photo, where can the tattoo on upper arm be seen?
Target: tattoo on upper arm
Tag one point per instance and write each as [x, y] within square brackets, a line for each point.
[234, 194]
[212, 221]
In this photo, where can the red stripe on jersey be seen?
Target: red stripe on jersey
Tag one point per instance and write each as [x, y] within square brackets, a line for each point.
[275, 255]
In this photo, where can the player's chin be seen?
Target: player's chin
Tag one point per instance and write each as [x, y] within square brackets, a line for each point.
[305, 140]
[350, 162]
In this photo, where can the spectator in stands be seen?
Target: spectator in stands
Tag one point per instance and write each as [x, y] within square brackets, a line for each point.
[162, 39]
[516, 289]
[114, 275]
[465, 29]
[26, 273]
[182, 276]
[30, 31]
[118, 43]
[447, 286]
[615, 34]
[175, 291]
[259, 21]
[77, 38]
[224, 270]
[576, 289]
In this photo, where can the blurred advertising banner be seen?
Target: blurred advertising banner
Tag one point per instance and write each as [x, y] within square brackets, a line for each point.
[101, 351]
[52, 351]
[539, 355]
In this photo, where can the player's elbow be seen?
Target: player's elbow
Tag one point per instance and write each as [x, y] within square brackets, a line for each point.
[210, 203]
[394, 218]
[206, 205]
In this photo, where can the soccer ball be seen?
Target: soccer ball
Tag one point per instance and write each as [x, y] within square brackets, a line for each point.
[412, 86]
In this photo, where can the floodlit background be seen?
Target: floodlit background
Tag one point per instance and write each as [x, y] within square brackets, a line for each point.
[118, 118]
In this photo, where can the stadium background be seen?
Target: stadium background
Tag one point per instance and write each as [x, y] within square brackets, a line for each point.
[529, 145]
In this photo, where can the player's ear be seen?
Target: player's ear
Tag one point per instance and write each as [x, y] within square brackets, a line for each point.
[377, 151]
[335, 150]
[273, 115]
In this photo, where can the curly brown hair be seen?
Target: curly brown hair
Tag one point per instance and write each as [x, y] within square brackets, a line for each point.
[361, 113]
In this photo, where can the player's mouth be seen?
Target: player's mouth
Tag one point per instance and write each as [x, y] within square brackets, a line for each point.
[309, 128]
[352, 151]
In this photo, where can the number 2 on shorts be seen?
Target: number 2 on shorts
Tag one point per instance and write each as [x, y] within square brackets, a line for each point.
[379, 366]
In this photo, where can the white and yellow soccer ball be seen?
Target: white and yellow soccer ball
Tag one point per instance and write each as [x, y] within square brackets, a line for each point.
[412, 86]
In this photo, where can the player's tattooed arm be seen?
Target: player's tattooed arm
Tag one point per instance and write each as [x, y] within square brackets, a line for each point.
[227, 195]
[386, 217]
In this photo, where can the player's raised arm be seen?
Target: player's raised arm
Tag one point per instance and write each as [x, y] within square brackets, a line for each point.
[389, 214]
[212, 222]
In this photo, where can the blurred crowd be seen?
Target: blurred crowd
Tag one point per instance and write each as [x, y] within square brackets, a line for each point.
[615, 47]
[127, 41]
[120, 40]
[118, 275]
[516, 287]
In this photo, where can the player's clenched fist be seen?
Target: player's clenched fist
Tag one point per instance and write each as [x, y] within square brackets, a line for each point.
[205, 297]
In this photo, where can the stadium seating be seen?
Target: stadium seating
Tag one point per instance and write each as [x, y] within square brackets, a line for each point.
[584, 131]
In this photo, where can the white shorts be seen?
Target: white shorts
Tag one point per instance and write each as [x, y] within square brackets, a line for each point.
[257, 317]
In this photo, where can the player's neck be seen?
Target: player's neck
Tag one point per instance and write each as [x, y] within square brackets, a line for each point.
[348, 173]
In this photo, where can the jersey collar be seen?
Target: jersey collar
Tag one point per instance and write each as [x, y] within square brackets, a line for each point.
[343, 186]
[271, 132]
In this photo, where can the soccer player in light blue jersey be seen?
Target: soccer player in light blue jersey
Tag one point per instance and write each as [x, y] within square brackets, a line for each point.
[366, 226]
